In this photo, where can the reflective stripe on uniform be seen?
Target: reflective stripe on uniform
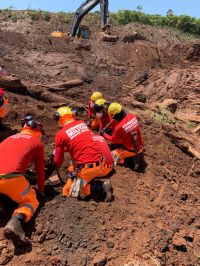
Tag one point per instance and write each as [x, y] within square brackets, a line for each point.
[26, 191]
[27, 205]
[10, 175]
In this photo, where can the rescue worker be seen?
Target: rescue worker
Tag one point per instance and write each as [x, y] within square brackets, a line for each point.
[104, 148]
[87, 160]
[101, 110]
[17, 152]
[3, 107]
[127, 135]
[93, 121]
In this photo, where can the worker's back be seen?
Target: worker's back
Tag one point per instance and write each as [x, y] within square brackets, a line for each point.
[17, 151]
[76, 139]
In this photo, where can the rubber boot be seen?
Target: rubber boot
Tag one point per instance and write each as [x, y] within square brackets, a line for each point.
[107, 190]
[138, 162]
[2, 212]
[99, 189]
[13, 231]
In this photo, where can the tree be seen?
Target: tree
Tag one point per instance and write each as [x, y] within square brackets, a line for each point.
[139, 8]
[170, 12]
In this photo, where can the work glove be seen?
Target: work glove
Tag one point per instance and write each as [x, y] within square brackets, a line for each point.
[102, 132]
[89, 123]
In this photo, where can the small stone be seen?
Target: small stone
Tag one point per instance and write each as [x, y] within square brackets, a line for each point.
[55, 247]
[180, 243]
[38, 251]
[42, 237]
[39, 229]
[100, 260]
[54, 260]
[170, 105]
[183, 196]
[110, 244]
[69, 244]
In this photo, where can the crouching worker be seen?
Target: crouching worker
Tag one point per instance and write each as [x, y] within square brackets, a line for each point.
[17, 152]
[3, 107]
[87, 160]
[127, 135]
[93, 122]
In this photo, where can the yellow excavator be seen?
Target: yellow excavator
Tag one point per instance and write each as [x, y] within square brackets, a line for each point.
[78, 30]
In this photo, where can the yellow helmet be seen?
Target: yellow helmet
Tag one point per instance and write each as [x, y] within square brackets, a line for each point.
[99, 105]
[96, 95]
[114, 108]
[64, 115]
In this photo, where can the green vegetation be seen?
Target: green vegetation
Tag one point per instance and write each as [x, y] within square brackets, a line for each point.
[185, 23]
[46, 15]
[190, 125]
[163, 118]
[34, 14]
[64, 17]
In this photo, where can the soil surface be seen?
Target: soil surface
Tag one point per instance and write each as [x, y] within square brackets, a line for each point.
[154, 217]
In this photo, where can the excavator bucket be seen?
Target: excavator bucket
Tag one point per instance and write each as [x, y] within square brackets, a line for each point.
[59, 34]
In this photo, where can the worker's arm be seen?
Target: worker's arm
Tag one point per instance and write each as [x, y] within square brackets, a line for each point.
[39, 167]
[89, 110]
[116, 137]
[59, 150]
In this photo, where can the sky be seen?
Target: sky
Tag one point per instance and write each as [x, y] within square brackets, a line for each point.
[186, 7]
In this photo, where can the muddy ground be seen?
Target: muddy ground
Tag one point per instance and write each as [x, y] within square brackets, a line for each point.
[154, 218]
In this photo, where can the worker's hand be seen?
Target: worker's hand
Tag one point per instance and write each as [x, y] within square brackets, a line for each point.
[102, 132]
[89, 123]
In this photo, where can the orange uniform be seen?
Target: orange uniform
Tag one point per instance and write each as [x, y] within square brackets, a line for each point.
[108, 160]
[16, 154]
[76, 138]
[3, 107]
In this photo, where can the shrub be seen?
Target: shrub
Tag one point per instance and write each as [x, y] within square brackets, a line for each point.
[185, 23]
[64, 17]
[34, 14]
[46, 15]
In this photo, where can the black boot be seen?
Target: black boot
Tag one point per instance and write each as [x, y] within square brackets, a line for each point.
[102, 189]
[13, 231]
[1, 209]
[138, 161]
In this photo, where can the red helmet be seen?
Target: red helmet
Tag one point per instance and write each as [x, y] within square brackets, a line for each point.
[1, 92]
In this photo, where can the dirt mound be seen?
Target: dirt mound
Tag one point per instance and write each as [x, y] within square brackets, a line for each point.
[154, 218]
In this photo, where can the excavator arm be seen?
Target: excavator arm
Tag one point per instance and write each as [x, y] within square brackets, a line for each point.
[85, 8]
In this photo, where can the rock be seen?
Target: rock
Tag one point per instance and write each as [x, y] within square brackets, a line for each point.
[180, 244]
[110, 244]
[183, 196]
[42, 237]
[39, 229]
[170, 105]
[55, 247]
[69, 244]
[38, 250]
[140, 97]
[54, 260]
[100, 260]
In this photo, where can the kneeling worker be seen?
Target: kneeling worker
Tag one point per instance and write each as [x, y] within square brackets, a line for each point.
[87, 160]
[93, 121]
[127, 135]
[3, 107]
[17, 152]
